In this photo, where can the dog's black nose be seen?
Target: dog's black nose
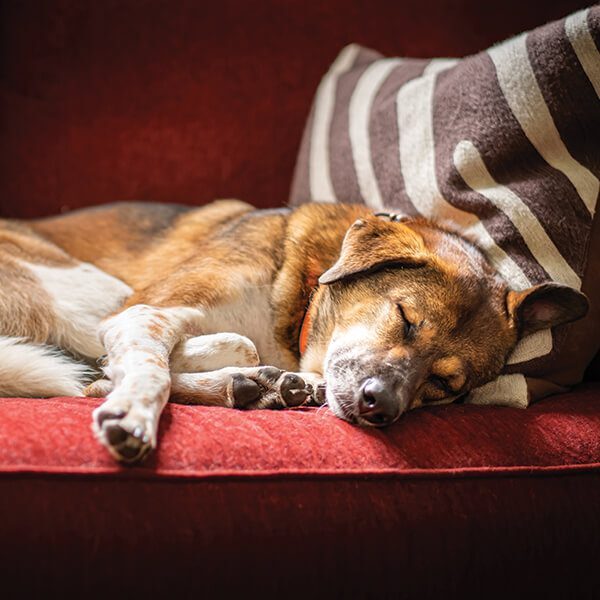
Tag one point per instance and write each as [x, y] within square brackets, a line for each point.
[377, 403]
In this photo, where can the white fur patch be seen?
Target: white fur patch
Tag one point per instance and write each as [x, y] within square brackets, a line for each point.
[82, 296]
[250, 315]
[38, 371]
[211, 352]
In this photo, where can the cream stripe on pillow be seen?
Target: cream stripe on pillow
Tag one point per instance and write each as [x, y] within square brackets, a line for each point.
[507, 390]
[417, 158]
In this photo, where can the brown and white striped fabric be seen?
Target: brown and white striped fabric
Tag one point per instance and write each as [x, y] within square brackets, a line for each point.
[505, 144]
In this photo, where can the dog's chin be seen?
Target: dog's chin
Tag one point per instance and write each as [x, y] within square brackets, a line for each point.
[338, 405]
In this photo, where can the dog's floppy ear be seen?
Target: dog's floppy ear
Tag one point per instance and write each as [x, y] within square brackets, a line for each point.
[545, 305]
[371, 243]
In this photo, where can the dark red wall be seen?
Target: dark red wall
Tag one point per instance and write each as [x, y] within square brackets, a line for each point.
[188, 100]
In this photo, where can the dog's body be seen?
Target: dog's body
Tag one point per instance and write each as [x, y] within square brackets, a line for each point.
[182, 302]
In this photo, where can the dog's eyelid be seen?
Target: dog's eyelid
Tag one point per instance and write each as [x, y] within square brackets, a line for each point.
[408, 325]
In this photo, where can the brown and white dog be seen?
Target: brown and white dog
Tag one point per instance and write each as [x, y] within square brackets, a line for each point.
[375, 314]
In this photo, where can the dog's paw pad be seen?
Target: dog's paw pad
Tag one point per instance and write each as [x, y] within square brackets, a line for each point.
[133, 452]
[320, 396]
[294, 390]
[268, 387]
[127, 446]
[244, 391]
[115, 434]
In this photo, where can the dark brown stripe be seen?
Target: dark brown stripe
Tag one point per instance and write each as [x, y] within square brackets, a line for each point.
[343, 175]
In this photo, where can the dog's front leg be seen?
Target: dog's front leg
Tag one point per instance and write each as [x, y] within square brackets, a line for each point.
[138, 342]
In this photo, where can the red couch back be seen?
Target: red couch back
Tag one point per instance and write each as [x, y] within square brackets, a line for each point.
[187, 100]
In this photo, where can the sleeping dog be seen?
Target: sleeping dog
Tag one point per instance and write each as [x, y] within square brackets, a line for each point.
[232, 306]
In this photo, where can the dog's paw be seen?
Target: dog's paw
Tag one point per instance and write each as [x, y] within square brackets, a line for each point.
[127, 433]
[269, 387]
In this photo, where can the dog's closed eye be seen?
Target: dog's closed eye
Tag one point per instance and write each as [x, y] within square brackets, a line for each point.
[409, 326]
[441, 384]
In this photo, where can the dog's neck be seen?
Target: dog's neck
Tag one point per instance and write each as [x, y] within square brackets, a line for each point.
[312, 244]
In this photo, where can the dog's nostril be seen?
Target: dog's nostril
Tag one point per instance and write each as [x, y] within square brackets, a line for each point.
[369, 400]
[377, 404]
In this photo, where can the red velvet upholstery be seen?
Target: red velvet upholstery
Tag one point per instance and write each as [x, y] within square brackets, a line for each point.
[184, 101]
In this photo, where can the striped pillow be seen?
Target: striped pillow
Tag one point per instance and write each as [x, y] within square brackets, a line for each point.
[505, 144]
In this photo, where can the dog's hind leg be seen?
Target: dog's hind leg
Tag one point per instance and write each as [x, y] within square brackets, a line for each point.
[138, 342]
[237, 387]
[248, 388]
[202, 353]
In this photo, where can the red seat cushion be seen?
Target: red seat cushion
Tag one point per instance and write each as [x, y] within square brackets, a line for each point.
[48, 436]
[282, 500]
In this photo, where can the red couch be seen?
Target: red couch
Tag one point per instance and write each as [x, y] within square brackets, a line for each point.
[183, 102]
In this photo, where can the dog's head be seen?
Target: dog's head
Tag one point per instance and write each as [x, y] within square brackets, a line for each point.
[413, 315]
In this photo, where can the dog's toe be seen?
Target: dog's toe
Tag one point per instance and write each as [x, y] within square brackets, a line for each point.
[270, 375]
[294, 390]
[244, 391]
